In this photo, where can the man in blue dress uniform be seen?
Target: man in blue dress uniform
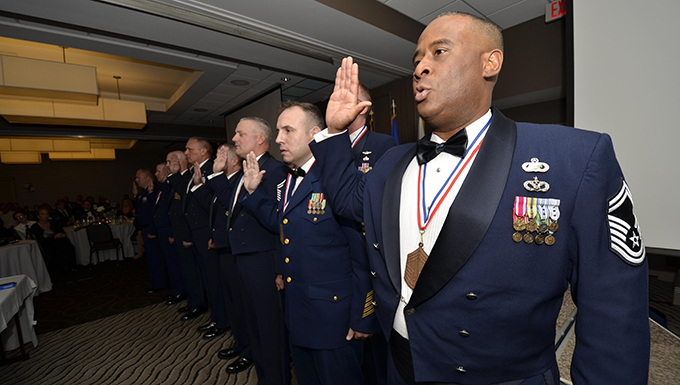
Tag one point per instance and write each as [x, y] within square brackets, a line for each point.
[197, 302]
[475, 233]
[256, 249]
[228, 165]
[367, 147]
[161, 221]
[145, 195]
[328, 288]
[197, 213]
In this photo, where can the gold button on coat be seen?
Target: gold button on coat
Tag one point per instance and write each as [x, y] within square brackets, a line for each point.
[286, 241]
[335, 298]
[287, 260]
[289, 279]
[285, 221]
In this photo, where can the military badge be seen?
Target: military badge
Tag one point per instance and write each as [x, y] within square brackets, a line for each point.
[279, 188]
[177, 196]
[538, 215]
[535, 166]
[365, 167]
[317, 204]
[625, 239]
[536, 185]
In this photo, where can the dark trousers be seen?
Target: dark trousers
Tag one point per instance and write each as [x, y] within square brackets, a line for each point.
[375, 360]
[264, 316]
[172, 261]
[195, 290]
[340, 366]
[233, 297]
[157, 269]
[209, 270]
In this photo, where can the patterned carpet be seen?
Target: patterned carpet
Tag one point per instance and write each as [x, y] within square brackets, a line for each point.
[142, 346]
[98, 326]
[94, 292]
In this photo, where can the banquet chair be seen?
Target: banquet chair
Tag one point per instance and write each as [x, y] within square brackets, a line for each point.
[101, 238]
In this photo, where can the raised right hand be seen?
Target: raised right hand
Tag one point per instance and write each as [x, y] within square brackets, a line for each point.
[343, 106]
[220, 162]
[174, 164]
[252, 176]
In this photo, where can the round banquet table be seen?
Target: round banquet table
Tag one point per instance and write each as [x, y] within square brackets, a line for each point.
[24, 257]
[78, 237]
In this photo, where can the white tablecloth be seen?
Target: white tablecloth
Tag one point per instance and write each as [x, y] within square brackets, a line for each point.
[79, 239]
[25, 258]
[17, 300]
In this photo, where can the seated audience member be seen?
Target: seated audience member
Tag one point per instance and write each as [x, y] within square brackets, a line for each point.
[23, 224]
[6, 214]
[79, 201]
[127, 209]
[70, 207]
[103, 202]
[61, 214]
[86, 212]
[60, 253]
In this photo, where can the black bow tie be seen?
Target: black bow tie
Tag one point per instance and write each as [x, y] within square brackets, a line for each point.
[426, 150]
[297, 173]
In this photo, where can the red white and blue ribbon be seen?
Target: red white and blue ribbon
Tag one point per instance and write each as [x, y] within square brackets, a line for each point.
[361, 133]
[289, 190]
[290, 186]
[425, 212]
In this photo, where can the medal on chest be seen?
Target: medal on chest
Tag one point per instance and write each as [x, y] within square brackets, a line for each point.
[415, 260]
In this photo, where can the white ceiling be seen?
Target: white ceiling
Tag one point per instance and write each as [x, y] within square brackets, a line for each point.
[192, 37]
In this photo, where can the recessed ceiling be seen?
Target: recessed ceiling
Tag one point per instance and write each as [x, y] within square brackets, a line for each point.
[160, 56]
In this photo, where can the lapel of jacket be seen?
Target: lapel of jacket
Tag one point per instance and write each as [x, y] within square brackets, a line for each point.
[472, 211]
[390, 218]
[303, 190]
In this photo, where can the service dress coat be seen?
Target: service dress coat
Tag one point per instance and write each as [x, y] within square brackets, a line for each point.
[328, 288]
[484, 308]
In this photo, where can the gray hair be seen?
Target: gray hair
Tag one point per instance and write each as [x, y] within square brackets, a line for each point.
[262, 126]
[203, 143]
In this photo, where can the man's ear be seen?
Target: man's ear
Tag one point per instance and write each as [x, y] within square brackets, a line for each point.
[493, 63]
[315, 130]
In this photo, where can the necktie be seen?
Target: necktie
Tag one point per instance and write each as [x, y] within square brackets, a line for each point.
[426, 150]
[297, 173]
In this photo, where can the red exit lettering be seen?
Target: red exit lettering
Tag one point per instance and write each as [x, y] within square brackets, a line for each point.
[555, 10]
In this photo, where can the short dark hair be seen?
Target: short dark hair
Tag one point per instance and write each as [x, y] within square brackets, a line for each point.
[488, 27]
[364, 89]
[146, 172]
[314, 116]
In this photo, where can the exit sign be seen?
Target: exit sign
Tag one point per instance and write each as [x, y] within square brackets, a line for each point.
[555, 10]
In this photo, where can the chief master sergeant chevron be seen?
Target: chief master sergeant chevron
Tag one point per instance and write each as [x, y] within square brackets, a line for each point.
[475, 232]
